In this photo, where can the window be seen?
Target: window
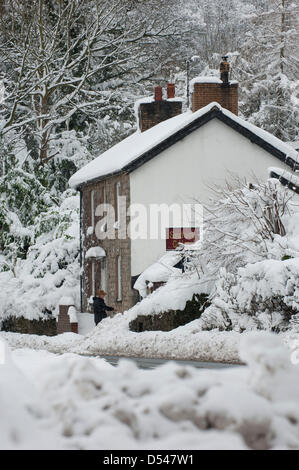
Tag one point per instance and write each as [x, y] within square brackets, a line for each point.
[118, 279]
[93, 280]
[92, 208]
[117, 205]
[103, 275]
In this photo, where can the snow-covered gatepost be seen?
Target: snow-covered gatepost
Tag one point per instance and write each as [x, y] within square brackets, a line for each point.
[67, 317]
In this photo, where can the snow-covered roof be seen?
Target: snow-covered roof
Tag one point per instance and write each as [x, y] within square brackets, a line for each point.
[138, 144]
[160, 271]
[204, 80]
[95, 252]
[208, 79]
[286, 178]
[294, 145]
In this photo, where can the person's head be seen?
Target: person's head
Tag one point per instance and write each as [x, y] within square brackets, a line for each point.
[101, 293]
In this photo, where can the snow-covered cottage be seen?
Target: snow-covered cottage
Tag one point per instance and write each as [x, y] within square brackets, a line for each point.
[172, 158]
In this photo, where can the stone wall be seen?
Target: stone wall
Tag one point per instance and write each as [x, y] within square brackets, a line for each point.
[167, 321]
[46, 327]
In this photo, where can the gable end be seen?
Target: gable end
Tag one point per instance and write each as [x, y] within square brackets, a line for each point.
[214, 113]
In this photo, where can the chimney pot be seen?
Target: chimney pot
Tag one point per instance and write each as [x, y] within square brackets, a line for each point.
[224, 70]
[158, 93]
[170, 90]
[223, 92]
[151, 113]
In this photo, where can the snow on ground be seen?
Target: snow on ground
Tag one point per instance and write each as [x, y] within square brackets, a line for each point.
[74, 402]
[113, 337]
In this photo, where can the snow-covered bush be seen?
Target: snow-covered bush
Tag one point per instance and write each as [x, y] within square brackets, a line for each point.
[245, 224]
[39, 220]
[249, 240]
[50, 270]
[263, 295]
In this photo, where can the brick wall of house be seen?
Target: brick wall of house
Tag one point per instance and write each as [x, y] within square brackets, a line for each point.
[224, 94]
[105, 191]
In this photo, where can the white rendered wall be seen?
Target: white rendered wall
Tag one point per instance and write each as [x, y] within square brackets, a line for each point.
[187, 170]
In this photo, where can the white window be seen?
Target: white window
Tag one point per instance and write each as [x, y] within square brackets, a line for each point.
[93, 279]
[104, 275]
[92, 208]
[119, 281]
[117, 215]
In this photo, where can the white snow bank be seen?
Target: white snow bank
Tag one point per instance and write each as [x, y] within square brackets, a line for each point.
[134, 146]
[161, 271]
[113, 337]
[24, 417]
[85, 322]
[95, 406]
[95, 252]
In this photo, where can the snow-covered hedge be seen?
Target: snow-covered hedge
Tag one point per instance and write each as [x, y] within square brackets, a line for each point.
[263, 295]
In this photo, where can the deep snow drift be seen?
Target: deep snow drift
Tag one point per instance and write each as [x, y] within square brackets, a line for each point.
[70, 402]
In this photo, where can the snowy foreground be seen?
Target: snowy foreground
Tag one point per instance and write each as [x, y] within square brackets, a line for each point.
[73, 402]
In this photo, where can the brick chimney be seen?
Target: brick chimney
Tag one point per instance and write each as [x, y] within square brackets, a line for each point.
[208, 89]
[152, 112]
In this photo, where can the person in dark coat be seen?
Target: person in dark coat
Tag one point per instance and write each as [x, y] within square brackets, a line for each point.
[99, 307]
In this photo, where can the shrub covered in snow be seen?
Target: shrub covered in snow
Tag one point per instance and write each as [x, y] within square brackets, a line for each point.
[263, 295]
[39, 236]
[50, 270]
[249, 293]
[246, 223]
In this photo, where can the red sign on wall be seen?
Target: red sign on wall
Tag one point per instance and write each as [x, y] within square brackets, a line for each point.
[177, 235]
